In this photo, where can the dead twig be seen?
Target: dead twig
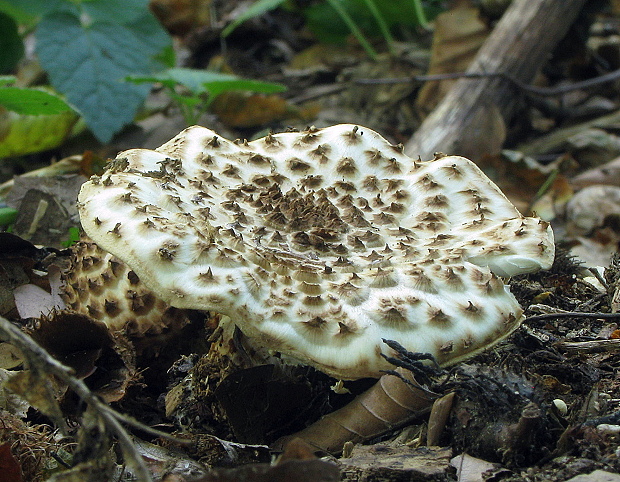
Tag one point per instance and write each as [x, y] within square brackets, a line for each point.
[527, 88]
[574, 314]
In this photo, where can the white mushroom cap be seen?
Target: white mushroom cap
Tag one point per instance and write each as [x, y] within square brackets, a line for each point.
[322, 243]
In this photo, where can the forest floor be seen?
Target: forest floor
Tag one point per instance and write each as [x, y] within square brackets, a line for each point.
[544, 405]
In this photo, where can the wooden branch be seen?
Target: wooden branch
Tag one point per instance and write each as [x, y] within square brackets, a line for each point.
[518, 46]
[529, 89]
[574, 314]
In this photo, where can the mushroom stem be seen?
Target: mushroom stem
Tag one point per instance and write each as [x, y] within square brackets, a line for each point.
[389, 403]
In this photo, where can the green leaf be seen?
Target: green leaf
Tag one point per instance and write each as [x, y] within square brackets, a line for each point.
[7, 216]
[88, 64]
[20, 8]
[167, 57]
[383, 26]
[11, 45]
[153, 42]
[195, 79]
[325, 23]
[27, 134]
[257, 8]
[186, 100]
[31, 101]
[216, 87]
[355, 29]
[116, 11]
[73, 236]
[200, 81]
[410, 13]
[14, 12]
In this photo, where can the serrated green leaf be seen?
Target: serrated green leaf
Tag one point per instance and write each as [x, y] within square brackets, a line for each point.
[257, 8]
[31, 101]
[87, 63]
[22, 135]
[11, 45]
[116, 11]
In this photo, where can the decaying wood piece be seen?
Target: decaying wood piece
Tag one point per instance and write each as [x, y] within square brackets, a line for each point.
[517, 48]
[384, 462]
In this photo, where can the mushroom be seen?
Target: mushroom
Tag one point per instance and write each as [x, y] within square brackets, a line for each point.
[100, 285]
[320, 244]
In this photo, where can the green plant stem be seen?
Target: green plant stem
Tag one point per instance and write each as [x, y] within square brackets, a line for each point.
[385, 30]
[355, 30]
[189, 116]
[187, 111]
[420, 15]
[546, 185]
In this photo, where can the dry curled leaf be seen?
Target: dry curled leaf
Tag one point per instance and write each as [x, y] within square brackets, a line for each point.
[238, 109]
[459, 33]
[38, 389]
[10, 356]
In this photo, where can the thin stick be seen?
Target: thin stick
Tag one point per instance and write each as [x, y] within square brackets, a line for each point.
[530, 89]
[574, 314]
[592, 346]
[518, 45]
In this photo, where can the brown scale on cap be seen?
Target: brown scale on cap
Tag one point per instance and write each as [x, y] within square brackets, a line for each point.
[104, 287]
[326, 241]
